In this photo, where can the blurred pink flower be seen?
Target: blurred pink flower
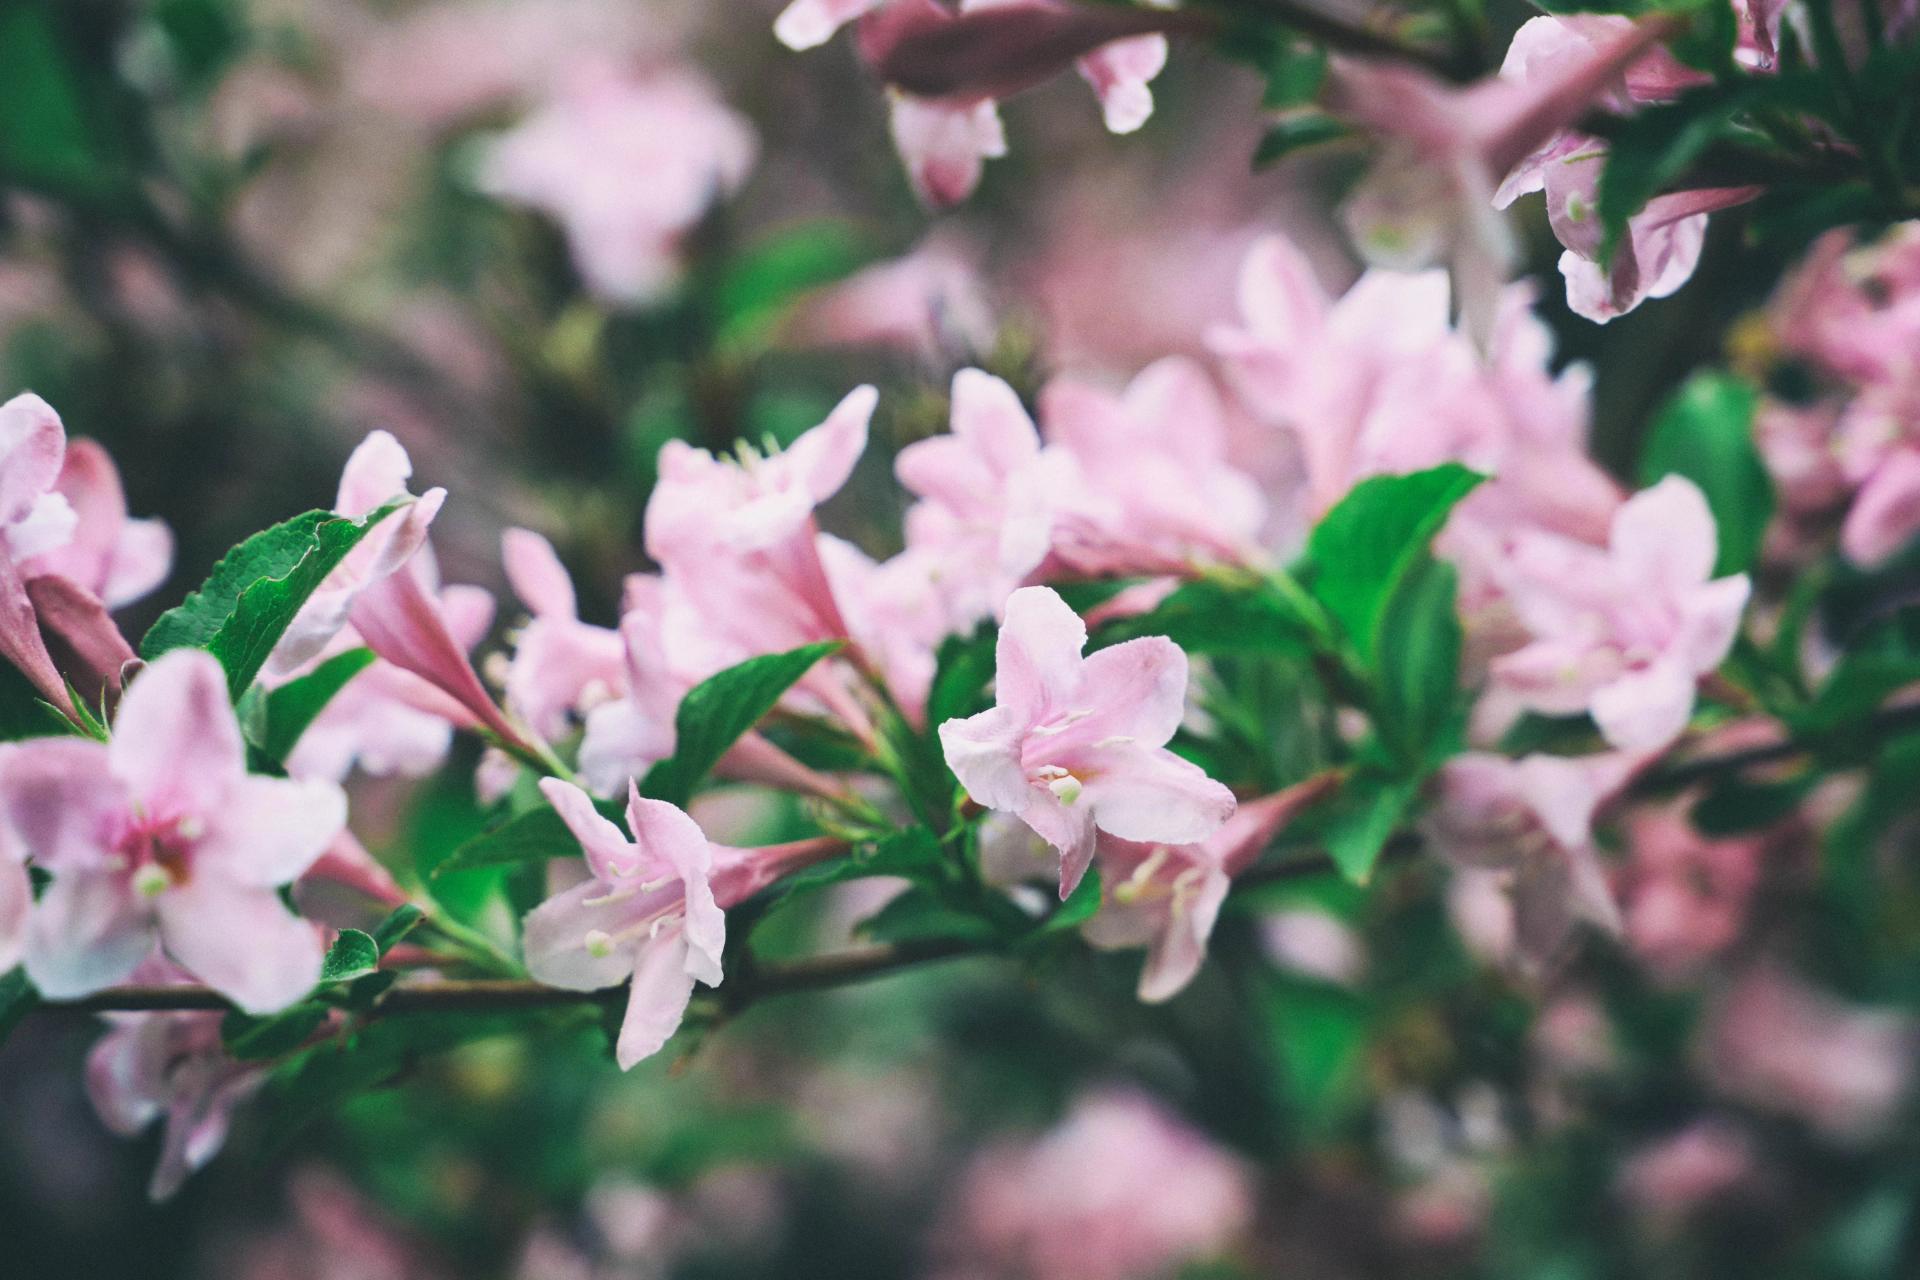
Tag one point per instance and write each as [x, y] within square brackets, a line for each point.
[1122, 1189]
[162, 835]
[1531, 821]
[652, 911]
[627, 165]
[1685, 897]
[1669, 1180]
[1624, 633]
[1772, 1040]
[171, 1067]
[1077, 744]
[931, 303]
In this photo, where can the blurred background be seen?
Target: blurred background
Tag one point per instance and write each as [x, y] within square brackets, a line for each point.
[235, 235]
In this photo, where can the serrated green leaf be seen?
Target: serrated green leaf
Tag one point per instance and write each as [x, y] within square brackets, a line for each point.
[1705, 433]
[352, 955]
[1362, 549]
[246, 604]
[290, 710]
[398, 924]
[719, 709]
[17, 1000]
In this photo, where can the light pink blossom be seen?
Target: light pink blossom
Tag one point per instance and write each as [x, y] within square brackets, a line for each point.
[115, 558]
[161, 835]
[561, 666]
[34, 520]
[1530, 821]
[1624, 632]
[1077, 744]
[173, 1068]
[627, 165]
[1121, 1189]
[1669, 1180]
[652, 910]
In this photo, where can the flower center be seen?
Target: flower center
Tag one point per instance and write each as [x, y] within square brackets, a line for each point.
[158, 855]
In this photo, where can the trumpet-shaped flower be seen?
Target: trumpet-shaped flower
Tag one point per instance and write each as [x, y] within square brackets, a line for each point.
[1077, 744]
[651, 912]
[161, 835]
[1623, 632]
[561, 665]
[34, 520]
[115, 558]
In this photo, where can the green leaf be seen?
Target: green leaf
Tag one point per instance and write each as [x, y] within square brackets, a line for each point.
[918, 915]
[1705, 433]
[719, 709]
[1297, 131]
[1360, 550]
[961, 671]
[1317, 1034]
[292, 708]
[536, 835]
[401, 922]
[203, 36]
[17, 1000]
[1854, 692]
[23, 712]
[51, 134]
[1736, 806]
[246, 604]
[1418, 660]
[255, 1039]
[1077, 908]
[912, 853]
[353, 954]
[1214, 617]
[768, 277]
[1371, 807]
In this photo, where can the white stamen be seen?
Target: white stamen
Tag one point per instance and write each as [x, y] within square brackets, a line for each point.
[1117, 740]
[1066, 789]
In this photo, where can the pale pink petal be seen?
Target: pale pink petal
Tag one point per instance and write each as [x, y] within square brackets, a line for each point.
[824, 456]
[240, 940]
[664, 835]
[58, 804]
[984, 753]
[126, 1075]
[662, 988]
[268, 831]
[87, 932]
[536, 574]
[32, 444]
[1710, 621]
[176, 743]
[1281, 298]
[81, 637]
[944, 146]
[1154, 795]
[1067, 827]
[16, 902]
[141, 559]
[1665, 535]
[21, 642]
[1037, 655]
[1885, 513]
[806, 24]
[554, 937]
[1645, 709]
[609, 853]
[622, 741]
[1120, 73]
[1180, 948]
[376, 473]
[1135, 689]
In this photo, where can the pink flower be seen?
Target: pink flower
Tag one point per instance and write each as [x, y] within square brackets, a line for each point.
[1157, 493]
[561, 665]
[1166, 898]
[1624, 633]
[931, 304]
[1531, 822]
[652, 911]
[1077, 744]
[1669, 1180]
[988, 495]
[895, 612]
[1773, 1041]
[1663, 243]
[628, 734]
[170, 1067]
[1429, 199]
[627, 165]
[947, 70]
[161, 835]
[1686, 897]
[34, 520]
[1122, 1189]
[116, 559]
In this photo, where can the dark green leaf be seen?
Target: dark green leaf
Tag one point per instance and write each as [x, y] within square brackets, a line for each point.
[353, 954]
[245, 606]
[17, 1000]
[203, 36]
[1361, 549]
[1705, 433]
[1317, 1034]
[911, 853]
[50, 122]
[1736, 806]
[719, 709]
[962, 669]
[1077, 908]
[918, 915]
[1297, 131]
[292, 708]
[533, 836]
[1854, 692]
[1418, 661]
[255, 1039]
[1215, 617]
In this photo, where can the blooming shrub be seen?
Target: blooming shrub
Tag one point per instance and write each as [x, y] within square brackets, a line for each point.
[1341, 766]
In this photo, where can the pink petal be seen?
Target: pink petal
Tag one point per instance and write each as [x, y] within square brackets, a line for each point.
[1280, 296]
[21, 642]
[1886, 512]
[1037, 656]
[1180, 947]
[58, 805]
[176, 743]
[806, 24]
[87, 932]
[376, 473]
[16, 903]
[824, 456]
[662, 988]
[1135, 689]
[1148, 794]
[609, 853]
[1665, 537]
[1068, 828]
[984, 753]
[141, 559]
[553, 939]
[126, 1074]
[269, 831]
[1645, 709]
[240, 940]
[944, 147]
[81, 637]
[32, 444]
[536, 574]
[1710, 622]
[1119, 73]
